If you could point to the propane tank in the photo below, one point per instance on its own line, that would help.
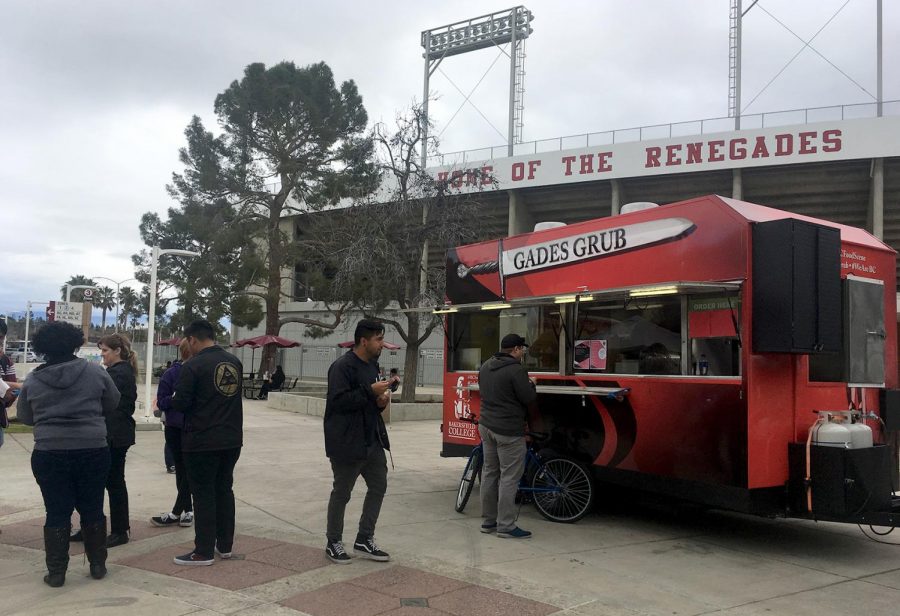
(832, 434)
(860, 435)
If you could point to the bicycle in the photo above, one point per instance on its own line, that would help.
(562, 489)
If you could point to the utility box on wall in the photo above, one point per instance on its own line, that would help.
(796, 287)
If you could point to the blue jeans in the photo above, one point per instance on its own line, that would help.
(71, 479)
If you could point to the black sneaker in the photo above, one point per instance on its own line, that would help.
(192, 559)
(166, 519)
(367, 549)
(336, 553)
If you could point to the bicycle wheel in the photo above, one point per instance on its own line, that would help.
(467, 481)
(563, 490)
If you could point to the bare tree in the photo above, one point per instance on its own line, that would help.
(376, 246)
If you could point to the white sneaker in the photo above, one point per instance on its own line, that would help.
(223, 555)
(187, 519)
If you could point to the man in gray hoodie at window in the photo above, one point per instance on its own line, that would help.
(506, 395)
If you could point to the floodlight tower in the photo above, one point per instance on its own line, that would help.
(511, 26)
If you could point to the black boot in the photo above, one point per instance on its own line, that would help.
(95, 547)
(56, 546)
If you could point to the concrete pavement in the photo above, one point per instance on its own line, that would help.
(624, 560)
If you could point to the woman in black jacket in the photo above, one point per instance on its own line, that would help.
(121, 364)
(274, 383)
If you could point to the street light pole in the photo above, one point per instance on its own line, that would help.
(156, 253)
(117, 295)
(28, 306)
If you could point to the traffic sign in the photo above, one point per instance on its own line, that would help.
(88, 295)
(51, 312)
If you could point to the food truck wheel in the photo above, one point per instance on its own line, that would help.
(467, 481)
(563, 490)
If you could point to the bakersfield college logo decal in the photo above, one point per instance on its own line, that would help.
(227, 379)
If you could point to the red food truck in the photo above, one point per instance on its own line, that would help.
(754, 350)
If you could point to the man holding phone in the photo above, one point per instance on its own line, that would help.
(355, 440)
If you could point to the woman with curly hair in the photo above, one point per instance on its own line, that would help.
(65, 399)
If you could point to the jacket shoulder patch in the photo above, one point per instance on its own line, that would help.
(226, 379)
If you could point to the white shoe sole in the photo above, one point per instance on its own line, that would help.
(164, 525)
(339, 561)
(364, 554)
(199, 563)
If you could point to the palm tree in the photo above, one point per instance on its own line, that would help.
(78, 294)
(129, 301)
(104, 299)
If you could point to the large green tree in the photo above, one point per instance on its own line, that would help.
(205, 286)
(292, 140)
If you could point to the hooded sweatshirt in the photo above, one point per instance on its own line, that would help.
(66, 403)
(506, 393)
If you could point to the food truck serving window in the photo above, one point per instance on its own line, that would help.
(660, 335)
(630, 337)
(475, 336)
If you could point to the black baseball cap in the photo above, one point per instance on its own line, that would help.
(511, 341)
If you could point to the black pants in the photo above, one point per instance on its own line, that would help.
(69, 480)
(374, 471)
(118, 491)
(211, 476)
(173, 444)
(168, 456)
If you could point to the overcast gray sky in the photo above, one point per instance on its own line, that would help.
(96, 94)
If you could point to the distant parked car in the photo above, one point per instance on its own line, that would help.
(18, 357)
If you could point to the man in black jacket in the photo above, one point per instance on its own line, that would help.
(355, 440)
(208, 393)
(506, 394)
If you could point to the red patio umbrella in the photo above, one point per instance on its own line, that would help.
(388, 345)
(168, 342)
(261, 341)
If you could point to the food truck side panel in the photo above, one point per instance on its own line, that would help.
(781, 395)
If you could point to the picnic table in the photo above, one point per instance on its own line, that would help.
(252, 388)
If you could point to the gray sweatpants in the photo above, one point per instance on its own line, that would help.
(374, 471)
(504, 463)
